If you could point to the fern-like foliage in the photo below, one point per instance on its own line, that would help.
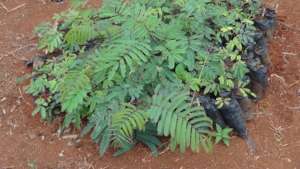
(51, 38)
(176, 116)
(80, 34)
(123, 57)
(109, 63)
(74, 88)
(117, 129)
(37, 86)
(127, 120)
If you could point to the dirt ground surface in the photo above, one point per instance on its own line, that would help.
(26, 142)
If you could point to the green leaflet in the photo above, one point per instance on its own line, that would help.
(80, 34)
(74, 89)
(50, 38)
(37, 86)
(178, 118)
(127, 120)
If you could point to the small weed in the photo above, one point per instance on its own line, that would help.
(222, 135)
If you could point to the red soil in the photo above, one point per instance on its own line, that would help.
(26, 142)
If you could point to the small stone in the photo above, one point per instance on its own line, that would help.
(61, 154)
(4, 111)
(257, 157)
(70, 143)
(3, 99)
(43, 138)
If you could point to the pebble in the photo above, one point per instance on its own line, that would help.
(288, 160)
(61, 154)
(43, 138)
(4, 111)
(3, 99)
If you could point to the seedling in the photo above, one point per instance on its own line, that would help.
(222, 135)
(134, 64)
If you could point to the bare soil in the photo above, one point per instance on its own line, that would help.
(26, 142)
